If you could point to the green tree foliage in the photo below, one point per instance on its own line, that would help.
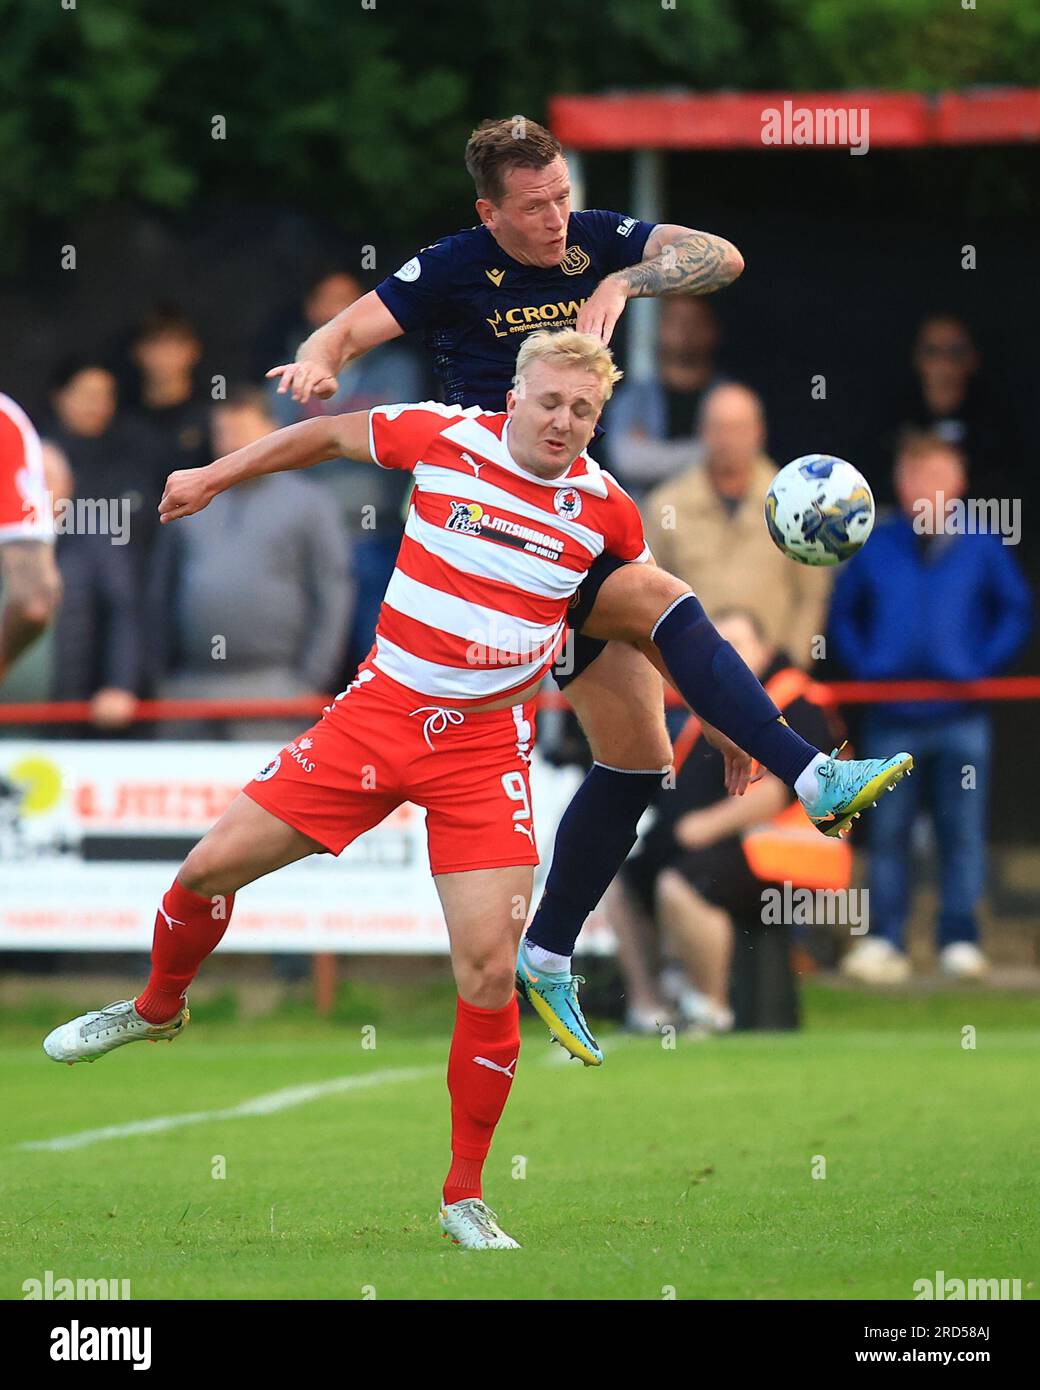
(360, 112)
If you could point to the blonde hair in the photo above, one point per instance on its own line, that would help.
(570, 348)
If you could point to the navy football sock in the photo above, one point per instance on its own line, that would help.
(593, 840)
(718, 686)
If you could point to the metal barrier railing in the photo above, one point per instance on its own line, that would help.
(306, 707)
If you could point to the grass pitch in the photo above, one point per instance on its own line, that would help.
(685, 1172)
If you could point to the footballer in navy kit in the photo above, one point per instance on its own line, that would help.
(474, 303)
(533, 264)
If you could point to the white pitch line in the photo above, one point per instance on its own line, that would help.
(268, 1104)
(259, 1105)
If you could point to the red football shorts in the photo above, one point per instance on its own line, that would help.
(380, 745)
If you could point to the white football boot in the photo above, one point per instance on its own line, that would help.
(876, 962)
(90, 1036)
(475, 1226)
(963, 960)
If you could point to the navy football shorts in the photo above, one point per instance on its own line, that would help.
(580, 652)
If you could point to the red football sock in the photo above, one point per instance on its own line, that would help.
(187, 928)
(478, 1090)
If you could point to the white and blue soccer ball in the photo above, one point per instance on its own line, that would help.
(820, 510)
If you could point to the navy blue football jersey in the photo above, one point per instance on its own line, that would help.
(474, 304)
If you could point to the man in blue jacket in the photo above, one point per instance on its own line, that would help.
(937, 595)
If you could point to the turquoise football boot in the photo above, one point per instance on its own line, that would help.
(849, 787)
(554, 997)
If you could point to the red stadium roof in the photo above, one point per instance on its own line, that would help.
(734, 120)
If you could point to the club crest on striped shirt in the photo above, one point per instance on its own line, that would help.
(567, 502)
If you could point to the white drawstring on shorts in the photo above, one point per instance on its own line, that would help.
(437, 720)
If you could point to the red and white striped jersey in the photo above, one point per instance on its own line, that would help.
(491, 554)
(24, 514)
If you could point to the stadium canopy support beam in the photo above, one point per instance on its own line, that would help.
(647, 204)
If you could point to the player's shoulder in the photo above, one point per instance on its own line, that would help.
(602, 222)
(615, 492)
(608, 501)
(437, 408)
(15, 411)
(461, 424)
(20, 439)
(447, 254)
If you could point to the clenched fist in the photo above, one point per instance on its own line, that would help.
(187, 491)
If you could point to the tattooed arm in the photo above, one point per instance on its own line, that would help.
(676, 260)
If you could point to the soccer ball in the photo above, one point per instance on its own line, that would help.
(819, 510)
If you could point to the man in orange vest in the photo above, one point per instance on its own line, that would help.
(703, 867)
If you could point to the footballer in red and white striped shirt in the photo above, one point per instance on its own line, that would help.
(507, 516)
(492, 553)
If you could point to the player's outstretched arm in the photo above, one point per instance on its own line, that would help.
(297, 446)
(362, 326)
(676, 260)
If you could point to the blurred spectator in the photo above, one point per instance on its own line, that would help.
(706, 526)
(702, 869)
(331, 290)
(949, 399)
(651, 425)
(920, 604)
(166, 352)
(370, 501)
(102, 549)
(249, 598)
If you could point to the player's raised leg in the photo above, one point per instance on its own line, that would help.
(246, 843)
(619, 700)
(647, 605)
(485, 910)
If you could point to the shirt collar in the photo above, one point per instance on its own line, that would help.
(584, 473)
